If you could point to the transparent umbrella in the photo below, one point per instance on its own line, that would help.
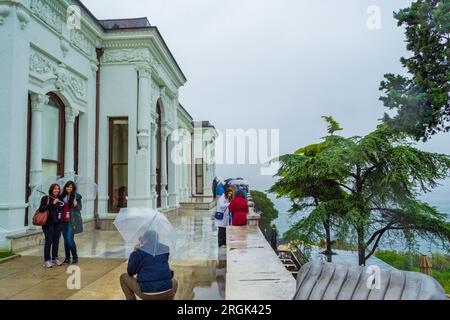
(148, 228)
(40, 190)
(239, 182)
(86, 187)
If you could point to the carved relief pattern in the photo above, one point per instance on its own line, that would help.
(127, 56)
(43, 65)
(82, 42)
(47, 14)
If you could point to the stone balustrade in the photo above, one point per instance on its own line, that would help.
(253, 268)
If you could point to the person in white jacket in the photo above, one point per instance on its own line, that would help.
(223, 213)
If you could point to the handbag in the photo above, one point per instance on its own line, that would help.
(40, 218)
(218, 215)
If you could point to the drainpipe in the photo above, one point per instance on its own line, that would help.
(100, 52)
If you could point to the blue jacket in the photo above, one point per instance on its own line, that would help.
(153, 272)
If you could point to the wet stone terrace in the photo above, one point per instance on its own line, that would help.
(198, 264)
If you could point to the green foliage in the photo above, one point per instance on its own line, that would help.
(422, 99)
(333, 125)
(410, 262)
(366, 186)
(264, 205)
(443, 278)
(400, 260)
(314, 195)
(5, 254)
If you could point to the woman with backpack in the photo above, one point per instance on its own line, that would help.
(71, 216)
(52, 227)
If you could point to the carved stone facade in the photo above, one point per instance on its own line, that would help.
(127, 55)
(55, 80)
(65, 79)
(46, 12)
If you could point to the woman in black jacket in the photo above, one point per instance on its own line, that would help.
(52, 228)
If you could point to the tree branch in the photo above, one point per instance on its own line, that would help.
(346, 187)
(375, 246)
(383, 230)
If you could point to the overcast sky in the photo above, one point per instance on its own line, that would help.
(278, 64)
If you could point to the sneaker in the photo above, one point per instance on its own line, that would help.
(75, 261)
(66, 261)
(48, 264)
(56, 262)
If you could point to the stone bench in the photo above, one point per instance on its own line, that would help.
(328, 281)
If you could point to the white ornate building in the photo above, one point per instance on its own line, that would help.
(96, 98)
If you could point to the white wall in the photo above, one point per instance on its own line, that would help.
(118, 97)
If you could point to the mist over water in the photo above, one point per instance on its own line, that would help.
(439, 199)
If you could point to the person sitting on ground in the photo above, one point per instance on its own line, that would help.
(154, 278)
(239, 208)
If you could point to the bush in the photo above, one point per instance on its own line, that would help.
(267, 209)
(410, 262)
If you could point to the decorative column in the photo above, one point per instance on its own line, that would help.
(164, 135)
(153, 162)
(38, 101)
(173, 174)
(206, 182)
(144, 108)
(69, 151)
(184, 174)
(139, 194)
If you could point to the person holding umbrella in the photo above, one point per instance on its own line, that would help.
(148, 273)
(154, 279)
(239, 208)
(52, 227)
(71, 210)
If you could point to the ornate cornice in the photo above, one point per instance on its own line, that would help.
(49, 14)
(127, 56)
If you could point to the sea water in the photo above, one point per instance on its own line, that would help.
(442, 204)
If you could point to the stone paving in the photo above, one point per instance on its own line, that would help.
(197, 263)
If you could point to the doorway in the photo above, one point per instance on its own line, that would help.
(118, 164)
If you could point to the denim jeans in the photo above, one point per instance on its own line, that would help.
(69, 242)
(52, 234)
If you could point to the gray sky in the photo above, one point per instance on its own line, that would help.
(278, 64)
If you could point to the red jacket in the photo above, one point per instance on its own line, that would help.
(239, 208)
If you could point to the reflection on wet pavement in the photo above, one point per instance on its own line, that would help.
(198, 265)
